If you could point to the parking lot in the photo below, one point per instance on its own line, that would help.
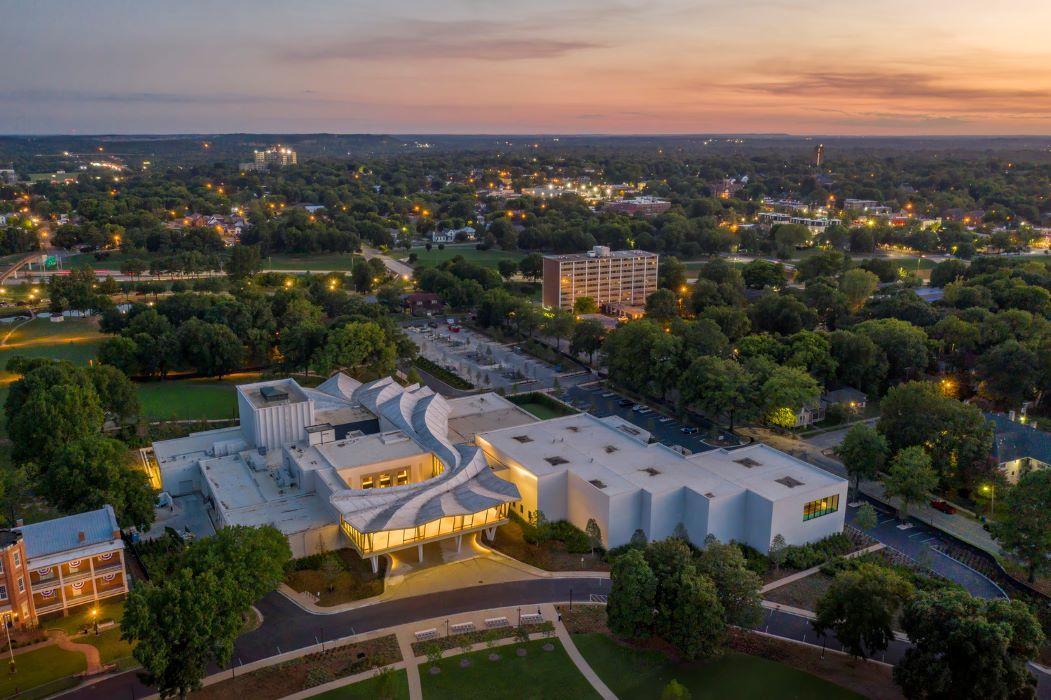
(598, 400)
(485, 362)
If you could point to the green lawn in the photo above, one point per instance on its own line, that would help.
(541, 411)
(111, 647)
(80, 618)
(74, 339)
(370, 689)
(35, 668)
(540, 674)
(632, 674)
(322, 261)
(184, 399)
(432, 257)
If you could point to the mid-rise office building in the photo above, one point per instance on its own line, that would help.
(276, 157)
(621, 276)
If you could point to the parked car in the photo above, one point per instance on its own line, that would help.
(451, 321)
(943, 506)
(637, 407)
(624, 402)
(454, 329)
(688, 430)
(433, 324)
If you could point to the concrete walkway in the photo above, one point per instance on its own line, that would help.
(91, 653)
(412, 668)
(574, 654)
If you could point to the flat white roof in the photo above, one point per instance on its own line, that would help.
(605, 452)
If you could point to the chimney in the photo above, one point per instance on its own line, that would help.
(80, 536)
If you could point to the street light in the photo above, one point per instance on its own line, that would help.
(992, 497)
(95, 620)
(7, 630)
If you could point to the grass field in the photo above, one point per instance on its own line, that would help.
(111, 647)
(537, 675)
(80, 618)
(111, 261)
(185, 399)
(35, 668)
(636, 674)
(369, 689)
(432, 257)
(322, 261)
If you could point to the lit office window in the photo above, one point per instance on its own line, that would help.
(822, 506)
(366, 482)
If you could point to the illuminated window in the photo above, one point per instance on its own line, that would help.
(366, 482)
(18, 559)
(21, 585)
(822, 506)
(384, 480)
(403, 477)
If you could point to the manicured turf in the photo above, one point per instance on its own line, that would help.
(323, 261)
(80, 618)
(432, 257)
(111, 647)
(370, 689)
(35, 668)
(108, 262)
(632, 674)
(74, 339)
(185, 399)
(539, 674)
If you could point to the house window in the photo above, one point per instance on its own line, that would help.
(3, 592)
(822, 506)
(21, 585)
(1, 566)
(18, 559)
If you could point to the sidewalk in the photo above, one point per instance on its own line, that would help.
(574, 654)
(813, 570)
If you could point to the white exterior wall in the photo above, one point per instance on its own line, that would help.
(695, 515)
(553, 496)
(274, 426)
(787, 518)
(662, 512)
(625, 516)
(758, 527)
(727, 516)
(587, 501)
(322, 539)
(181, 478)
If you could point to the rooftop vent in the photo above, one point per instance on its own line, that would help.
(522, 438)
(628, 429)
(273, 393)
(651, 471)
(748, 462)
(610, 449)
(573, 428)
(789, 482)
(555, 461)
(709, 495)
(597, 483)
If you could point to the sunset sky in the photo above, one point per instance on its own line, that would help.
(545, 66)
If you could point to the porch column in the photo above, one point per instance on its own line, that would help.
(375, 564)
(94, 584)
(419, 553)
(459, 539)
(62, 589)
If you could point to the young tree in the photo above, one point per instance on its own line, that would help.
(244, 261)
(662, 305)
(966, 647)
(180, 626)
(860, 606)
(531, 266)
(331, 568)
(910, 477)
(863, 453)
(594, 534)
(777, 552)
(866, 518)
(507, 268)
(1024, 529)
(633, 587)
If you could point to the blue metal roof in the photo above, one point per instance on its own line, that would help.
(61, 534)
(1015, 440)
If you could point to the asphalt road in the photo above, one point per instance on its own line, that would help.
(918, 542)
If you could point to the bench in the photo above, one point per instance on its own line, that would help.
(532, 618)
(462, 627)
(495, 622)
(424, 635)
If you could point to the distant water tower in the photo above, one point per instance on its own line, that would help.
(819, 154)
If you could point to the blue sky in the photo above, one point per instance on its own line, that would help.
(576, 66)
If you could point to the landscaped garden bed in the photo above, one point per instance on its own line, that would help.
(542, 405)
(561, 549)
(460, 641)
(335, 577)
(305, 672)
(438, 372)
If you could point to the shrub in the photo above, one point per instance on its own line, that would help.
(816, 553)
(575, 539)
